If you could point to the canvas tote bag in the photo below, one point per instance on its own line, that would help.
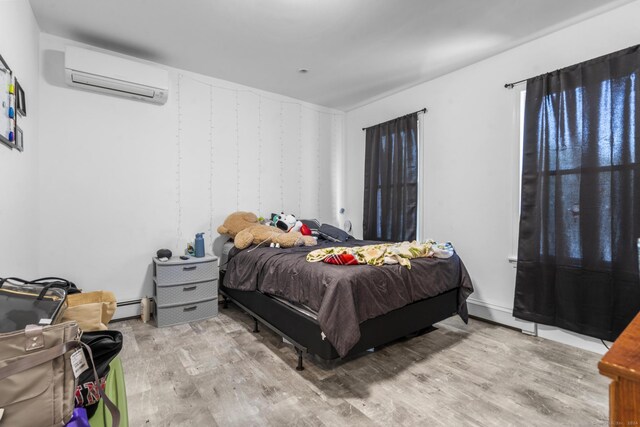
(36, 379)
(92, 310)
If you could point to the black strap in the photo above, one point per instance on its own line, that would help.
(60, 280)
(13, 279)
(46, 287)
(45, 282)
(57, 282)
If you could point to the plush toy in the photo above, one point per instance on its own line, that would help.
(289, 223)
(285, 222)
(246, 230)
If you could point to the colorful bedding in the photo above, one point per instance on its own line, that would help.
(383, 253)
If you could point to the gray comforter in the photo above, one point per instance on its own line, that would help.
(345, 296)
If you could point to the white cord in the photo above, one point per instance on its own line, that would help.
(300, 163)
(211, 167)
(268, 238)
(179, 165)
(259, 154)
(281, 156)
(237, 152)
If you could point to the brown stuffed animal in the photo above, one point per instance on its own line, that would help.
(246, 230)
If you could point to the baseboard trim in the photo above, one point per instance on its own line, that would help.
(572, 338)
(127, 309)
(502, 315)
(499, 314)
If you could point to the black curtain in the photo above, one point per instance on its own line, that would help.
(580, 211)
(391, 180)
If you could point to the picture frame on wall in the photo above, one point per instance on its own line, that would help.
(19, 140)
(21, 102)
(7, 122)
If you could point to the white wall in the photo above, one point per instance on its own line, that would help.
(469, 134)
(120, 179)
(19, 171)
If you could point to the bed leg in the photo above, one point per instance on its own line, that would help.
(255, 326)
(299, 367)
(225, 302)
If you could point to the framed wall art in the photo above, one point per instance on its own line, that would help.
(7, 105)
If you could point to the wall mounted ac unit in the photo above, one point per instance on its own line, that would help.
(99, 72)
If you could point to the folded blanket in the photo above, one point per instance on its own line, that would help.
(384, 253)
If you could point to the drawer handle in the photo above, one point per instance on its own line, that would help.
(193, 267)
(189, 288)
(190, 308)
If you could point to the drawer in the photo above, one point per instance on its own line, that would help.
(177, 314)
(185, 273)
(190, 292)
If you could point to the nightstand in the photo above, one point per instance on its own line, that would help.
(185, 290)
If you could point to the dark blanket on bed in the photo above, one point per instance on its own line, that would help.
(345, 296)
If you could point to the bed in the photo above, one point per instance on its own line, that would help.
(335, 311)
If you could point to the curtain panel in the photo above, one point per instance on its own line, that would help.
(580, 209)
(391, 180)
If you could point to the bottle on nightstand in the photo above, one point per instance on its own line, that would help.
(199, 245)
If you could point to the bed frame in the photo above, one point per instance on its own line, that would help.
(304, 333)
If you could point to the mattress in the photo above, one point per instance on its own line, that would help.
(302, 309)
(226, 249)
(223, 254)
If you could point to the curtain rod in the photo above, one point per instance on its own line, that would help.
(511, 85)
(424, 110)
(623, 51)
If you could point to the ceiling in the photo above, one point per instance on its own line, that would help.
(355, 50)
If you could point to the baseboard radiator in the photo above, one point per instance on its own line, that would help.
(128, 309)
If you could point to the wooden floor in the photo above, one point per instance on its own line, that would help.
(217, 372)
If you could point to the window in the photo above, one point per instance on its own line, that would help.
(391, 180)
(516, 189)
(565, 168)
(579, 219)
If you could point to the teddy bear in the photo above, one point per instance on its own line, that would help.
(245, 229)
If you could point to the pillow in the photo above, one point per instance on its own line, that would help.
(332, 233)
(341, 259)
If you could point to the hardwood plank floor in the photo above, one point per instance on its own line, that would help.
(218, 373)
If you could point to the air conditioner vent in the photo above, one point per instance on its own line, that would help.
(98, 72)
